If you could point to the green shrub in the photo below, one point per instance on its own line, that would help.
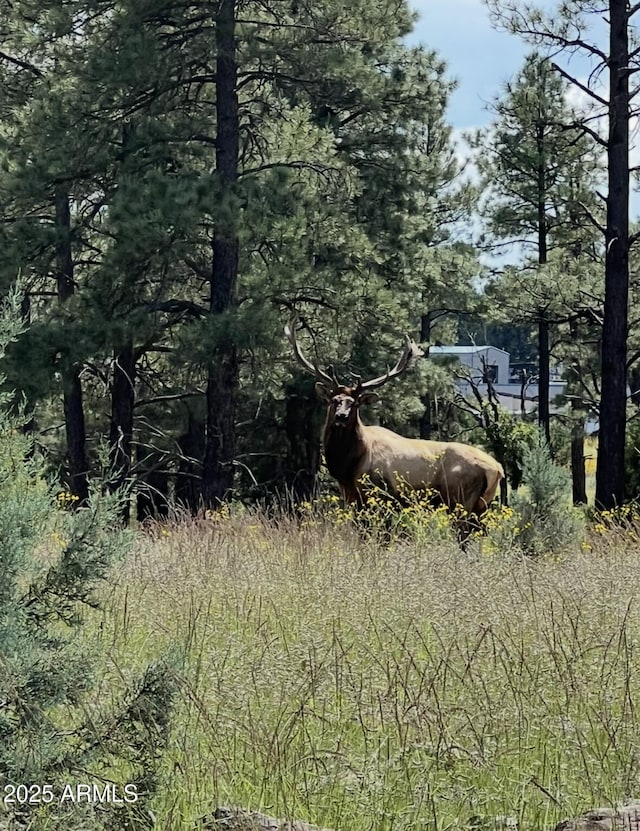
(55, 729)
(632, 459)
(508, 438)
(548, 521)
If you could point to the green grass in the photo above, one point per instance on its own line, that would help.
(358, 686)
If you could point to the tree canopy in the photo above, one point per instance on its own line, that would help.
(177, 179)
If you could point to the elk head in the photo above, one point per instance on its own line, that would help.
(345, 400)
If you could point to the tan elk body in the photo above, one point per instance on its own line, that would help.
(460, 474)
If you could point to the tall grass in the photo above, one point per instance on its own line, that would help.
(405, 686)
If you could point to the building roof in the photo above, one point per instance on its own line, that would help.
(463, 350)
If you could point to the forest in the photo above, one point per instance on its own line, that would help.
(192, 622)
(178, 179)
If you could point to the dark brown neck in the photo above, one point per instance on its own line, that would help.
(343, 449)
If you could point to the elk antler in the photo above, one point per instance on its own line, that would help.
(410, 353)
(314, 369)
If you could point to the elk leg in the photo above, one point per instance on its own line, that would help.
(351, 494)
(475, 505)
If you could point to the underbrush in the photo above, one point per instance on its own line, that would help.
(402, 683)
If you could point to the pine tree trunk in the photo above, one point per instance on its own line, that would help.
(77, 466)
(610, 473)
(302, 426)
(426, 423)
(189, 476)
(121, 428)
(222, 381)
(153, 497)
(29, 425)
(544, 414)
(578, 475)
(634, 383)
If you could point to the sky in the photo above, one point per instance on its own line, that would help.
(479, 58)
(482, 59)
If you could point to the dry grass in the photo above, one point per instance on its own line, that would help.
(410, 686)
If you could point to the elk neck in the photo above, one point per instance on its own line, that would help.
(344, 447)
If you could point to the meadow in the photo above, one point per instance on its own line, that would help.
(363, 684)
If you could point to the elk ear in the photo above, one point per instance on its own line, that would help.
(323, 391)
(367, 397)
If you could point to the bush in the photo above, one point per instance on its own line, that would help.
(548, 521)
(53, 731)
(508, 438)
(632, 459)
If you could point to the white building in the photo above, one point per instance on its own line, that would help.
(489, 362)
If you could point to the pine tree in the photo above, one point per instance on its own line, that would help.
(540, 176)
(567, 32)
(186, 253)
(53, 561)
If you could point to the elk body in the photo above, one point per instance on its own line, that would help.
(460, 474)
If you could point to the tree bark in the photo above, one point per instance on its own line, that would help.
(222, 380)
(74, 422)
(610, 472)
(426, 422)
(578, 476)
(189, 476)
(302, 426)
(544, 416)
(544, 413)
(153, 496)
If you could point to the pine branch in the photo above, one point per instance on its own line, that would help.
(580, 85)
(181, 307)
(592, 218)
(22, 64)
(519, 24)
(299, 164)
(201, 270)
(158, 399)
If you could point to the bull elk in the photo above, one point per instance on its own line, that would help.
(460, 474)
